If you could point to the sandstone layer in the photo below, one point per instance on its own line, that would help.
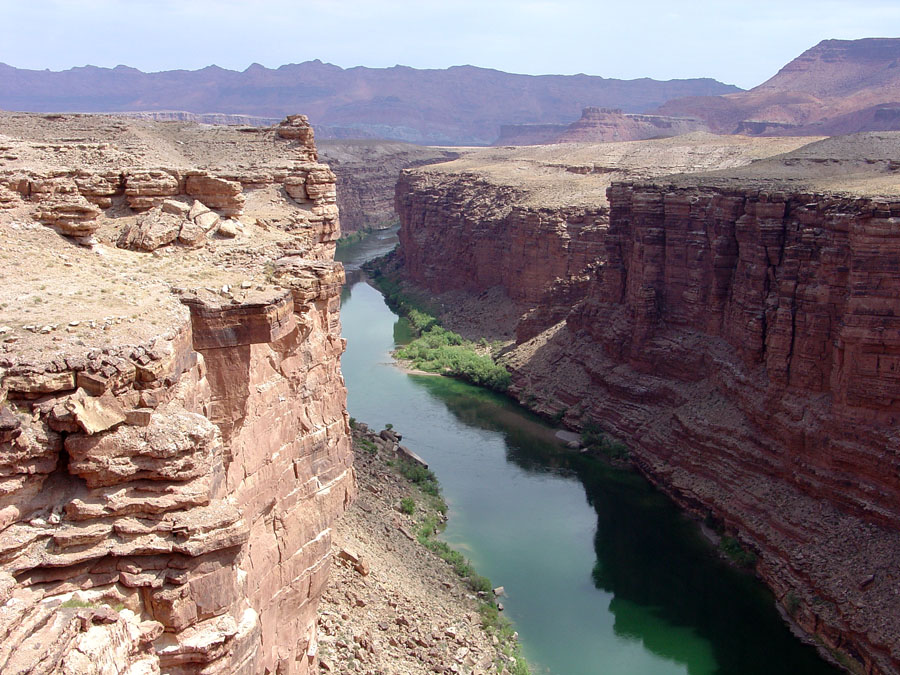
(737, 328)
(519, 218)
(174, 438)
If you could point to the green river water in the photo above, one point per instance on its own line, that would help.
(603, 574)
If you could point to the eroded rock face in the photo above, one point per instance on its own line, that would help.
(741, 336)
(743, 343)
(75, 201)
(166, 495)
(470, 235)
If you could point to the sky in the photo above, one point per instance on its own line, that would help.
(741, 43)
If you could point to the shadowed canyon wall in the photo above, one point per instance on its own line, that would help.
(740, 333)
(169, 481)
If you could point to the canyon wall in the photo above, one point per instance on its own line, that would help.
(739, 330)
(521, 218)
(172, 413)
(487, 241)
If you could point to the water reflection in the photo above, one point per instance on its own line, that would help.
(603, 574)
(668, 590)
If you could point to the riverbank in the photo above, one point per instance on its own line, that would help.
(394, 606)
(433, 348)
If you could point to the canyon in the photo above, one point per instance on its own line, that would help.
(173, 417)
(726, 306)
(366, 172)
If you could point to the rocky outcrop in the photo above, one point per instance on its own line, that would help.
(74, 201)
(168, 481)
(738, 330)
(606, 124)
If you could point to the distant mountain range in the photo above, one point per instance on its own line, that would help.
(458, 105)
(837, 87)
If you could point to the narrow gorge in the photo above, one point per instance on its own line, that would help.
(736, 328)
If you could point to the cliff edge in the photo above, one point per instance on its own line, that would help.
(174, 439)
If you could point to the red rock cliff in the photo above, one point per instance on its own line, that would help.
(170, 476)
(741, 333)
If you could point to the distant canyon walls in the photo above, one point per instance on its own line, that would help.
(742, 340)
(461, 105)
(601, 125)
(367, 172)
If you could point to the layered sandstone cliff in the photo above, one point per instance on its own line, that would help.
(172, 413)
(739, 330)
(520, 218)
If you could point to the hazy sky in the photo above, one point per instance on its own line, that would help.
(742, 43)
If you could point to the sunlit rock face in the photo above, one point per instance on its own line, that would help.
(169, 479)
(738, 329)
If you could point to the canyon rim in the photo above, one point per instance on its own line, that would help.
(708, 277)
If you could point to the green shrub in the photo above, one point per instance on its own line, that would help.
(594, 439)
(422, 477)
(368, 446)
(732, 548)
(408, 505)
(791, 603)
(438, 350)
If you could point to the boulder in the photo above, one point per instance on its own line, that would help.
(176, 208)
(196, 209)
(207, 221)
(228, 229)
(152, 230)
(95, 413)
(191, 235)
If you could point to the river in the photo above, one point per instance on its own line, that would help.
(603, 574)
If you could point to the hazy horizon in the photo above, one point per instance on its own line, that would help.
(735, 44)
